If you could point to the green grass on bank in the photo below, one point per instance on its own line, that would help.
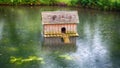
(97, 4)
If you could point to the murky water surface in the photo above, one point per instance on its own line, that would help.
(22, 46)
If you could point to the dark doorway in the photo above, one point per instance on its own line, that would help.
(63, 30)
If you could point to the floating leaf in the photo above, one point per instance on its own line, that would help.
(67, 57)
(29, 59)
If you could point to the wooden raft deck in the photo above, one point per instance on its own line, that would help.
(64, 36)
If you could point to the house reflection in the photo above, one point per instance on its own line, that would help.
(57, 44)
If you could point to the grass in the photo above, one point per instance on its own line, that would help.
(97, 4)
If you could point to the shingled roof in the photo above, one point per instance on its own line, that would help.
(57, 17)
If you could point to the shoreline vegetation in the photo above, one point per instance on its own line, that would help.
(93, 4)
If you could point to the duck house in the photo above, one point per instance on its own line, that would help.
(61, 24)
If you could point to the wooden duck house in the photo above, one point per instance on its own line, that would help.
(61, 24)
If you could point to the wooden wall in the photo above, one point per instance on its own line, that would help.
(56, 28)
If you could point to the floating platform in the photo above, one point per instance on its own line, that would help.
(61, 35)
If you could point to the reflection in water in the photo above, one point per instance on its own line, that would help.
(56, 52)
(56, 43)
(1, 28)
(90, 52)
(100, 52)
(96, 47)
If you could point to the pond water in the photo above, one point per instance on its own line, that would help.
(22, 46)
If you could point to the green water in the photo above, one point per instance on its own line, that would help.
(21, 42)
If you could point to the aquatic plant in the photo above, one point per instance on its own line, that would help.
(66, 57)
(20, 60)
